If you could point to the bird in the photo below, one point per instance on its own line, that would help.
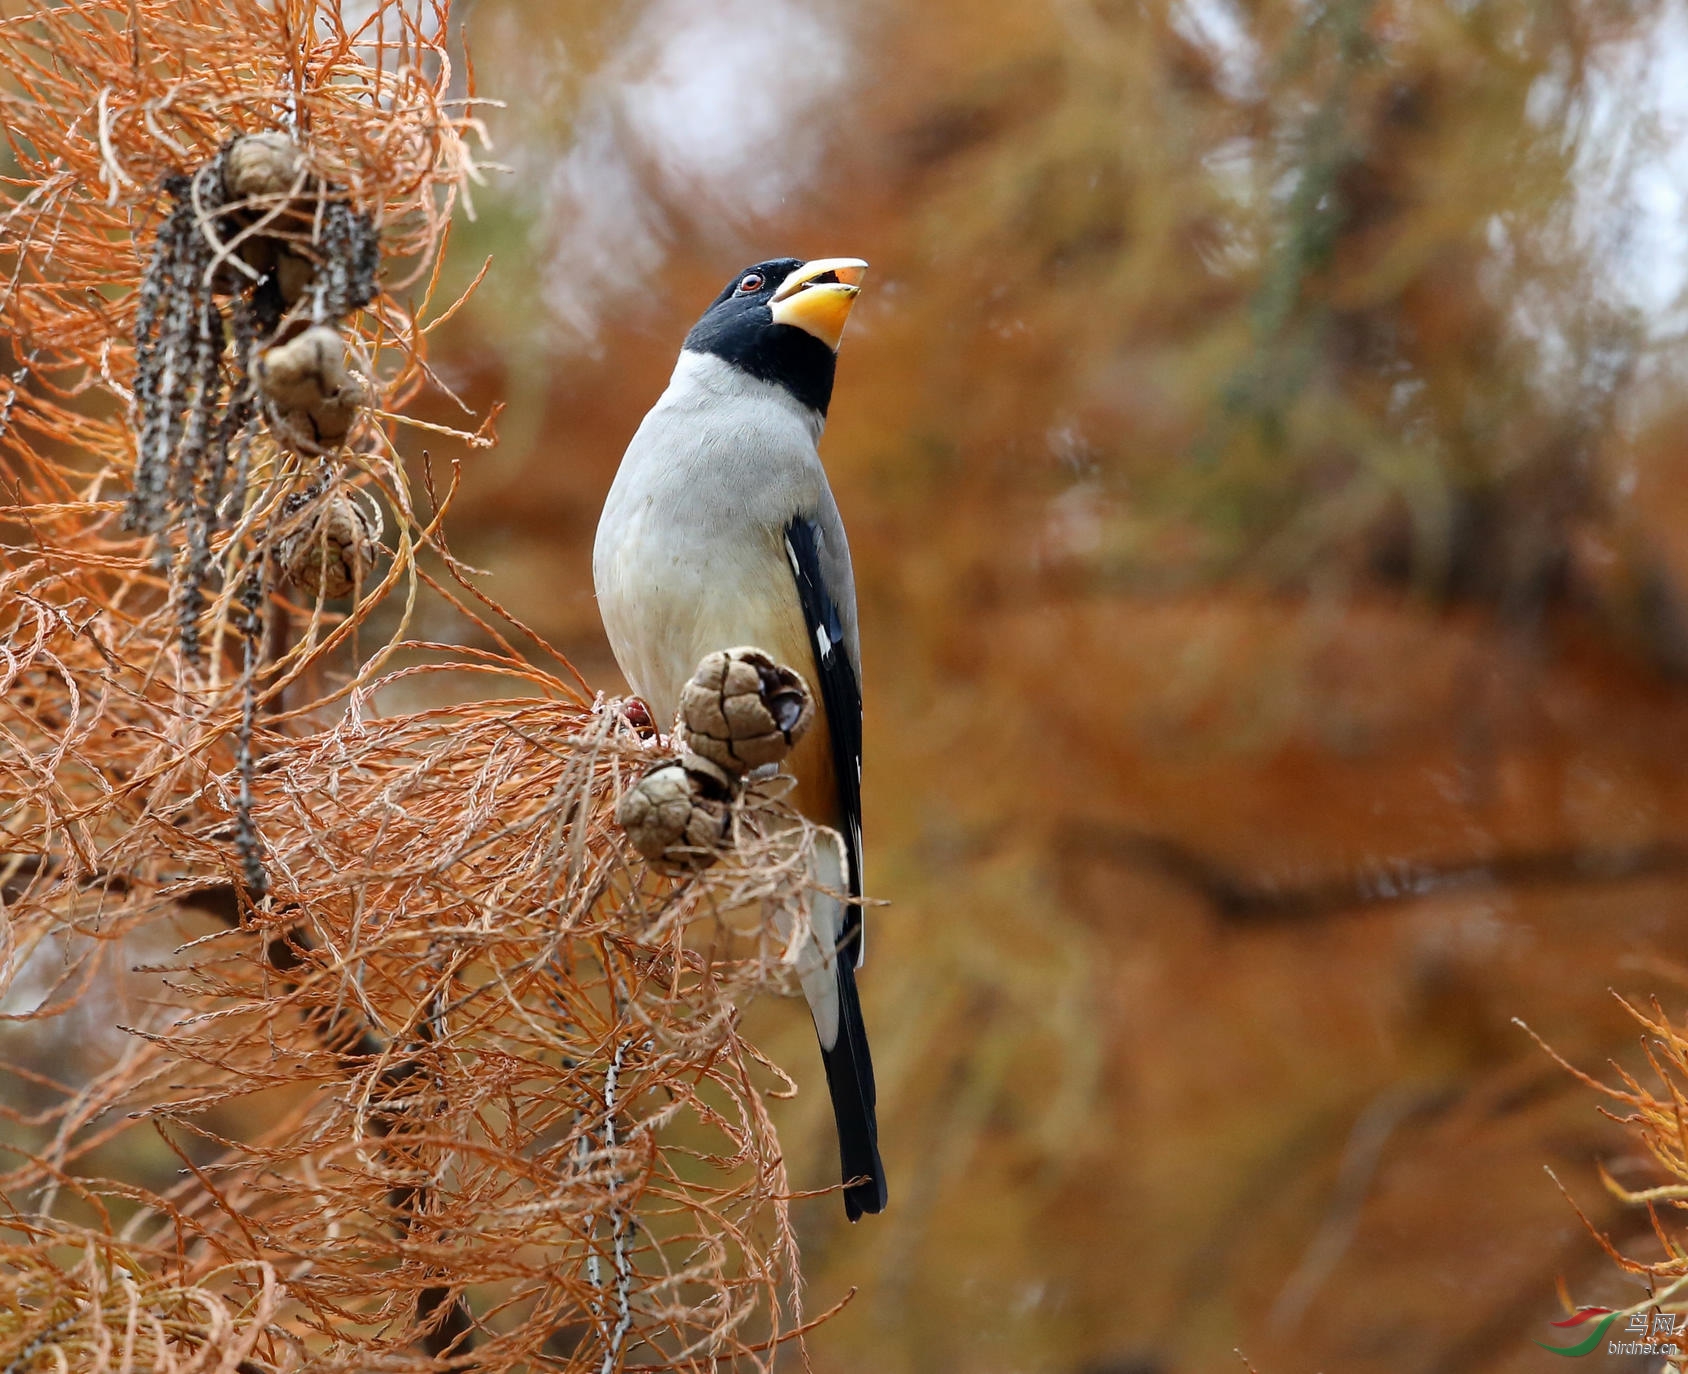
(720, 529)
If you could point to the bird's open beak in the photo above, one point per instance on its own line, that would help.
(817, 297)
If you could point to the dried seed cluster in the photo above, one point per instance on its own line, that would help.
(255, 229)
(188, 417)
(739, 711)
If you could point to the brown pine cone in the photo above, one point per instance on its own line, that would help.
(314, 396)
(263, 166)
(741, 710)
(677, 812)
(331, 550)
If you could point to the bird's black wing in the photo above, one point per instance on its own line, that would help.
(849, 1065)
(841, 698)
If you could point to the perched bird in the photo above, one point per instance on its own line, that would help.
(720, 530)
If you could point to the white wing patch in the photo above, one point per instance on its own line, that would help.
(861, 925)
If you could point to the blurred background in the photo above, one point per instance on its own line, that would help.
(1261, 441)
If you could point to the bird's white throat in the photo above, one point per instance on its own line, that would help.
(702, 379)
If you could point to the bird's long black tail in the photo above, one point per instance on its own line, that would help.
(849, 1078)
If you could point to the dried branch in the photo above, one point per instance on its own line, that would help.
(414, 1052)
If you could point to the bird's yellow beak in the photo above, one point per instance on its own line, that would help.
(817, 297)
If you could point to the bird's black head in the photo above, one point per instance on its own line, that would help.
(781, 321)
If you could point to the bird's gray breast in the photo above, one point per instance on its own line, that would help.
(689, 556)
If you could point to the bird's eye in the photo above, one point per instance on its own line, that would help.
(750, 281)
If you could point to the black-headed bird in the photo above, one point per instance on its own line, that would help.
(720, 530)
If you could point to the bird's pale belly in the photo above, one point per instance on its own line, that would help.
(666, 608)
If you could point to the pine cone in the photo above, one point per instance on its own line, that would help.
(741, 710)
(315, 397)
(677, 812)
(262, 166)
(332, 549)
